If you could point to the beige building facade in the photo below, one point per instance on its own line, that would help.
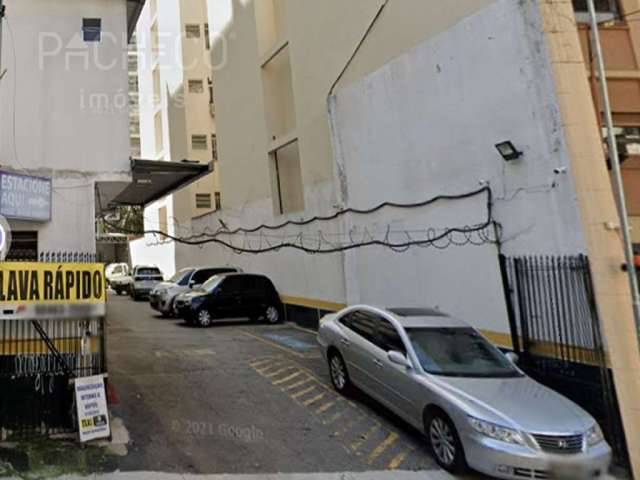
(177, 117)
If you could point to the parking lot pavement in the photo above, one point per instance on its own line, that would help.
(242, 398)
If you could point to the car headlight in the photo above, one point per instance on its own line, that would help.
(594, 435)
(497, 432)
(196, 300)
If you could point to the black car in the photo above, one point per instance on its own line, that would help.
(234, 295)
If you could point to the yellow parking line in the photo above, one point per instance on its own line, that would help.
(380, 449)
(397, 461)
(278, 372)
(289, 378)
(264, 370)
(274, 345)
(333, 419)
(325, 407)
(313, 400)
(358, 443)
(350, 424)
(298, 384)
(261, 362)
(303, 392)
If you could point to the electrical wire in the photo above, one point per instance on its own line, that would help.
(296, 241)
(342, 212)
(358, 47)
(15, 92)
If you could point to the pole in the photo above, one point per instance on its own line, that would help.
(615, 166)
(2, 7)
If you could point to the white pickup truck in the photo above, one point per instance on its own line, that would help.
(118, 277)
(143, 279)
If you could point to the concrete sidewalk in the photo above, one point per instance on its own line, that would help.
(391, 475)
(387, 475)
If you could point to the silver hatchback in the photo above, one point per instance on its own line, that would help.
(476, 407)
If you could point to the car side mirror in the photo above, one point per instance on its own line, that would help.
(512, 357)
(399, 359)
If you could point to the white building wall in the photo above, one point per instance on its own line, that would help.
(64, 109)
(419, 127)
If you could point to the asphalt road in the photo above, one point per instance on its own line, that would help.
(242, 398)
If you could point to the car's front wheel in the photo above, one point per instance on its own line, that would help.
(203, 318)
(445, 442)
(272, 315)
(339, 374)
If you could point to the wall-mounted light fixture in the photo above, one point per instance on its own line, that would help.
(508, 151)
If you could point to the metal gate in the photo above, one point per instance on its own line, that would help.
(37, 396)
(38, 360)
(556, 332)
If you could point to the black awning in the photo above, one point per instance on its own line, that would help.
(154, 179)
(134, 8)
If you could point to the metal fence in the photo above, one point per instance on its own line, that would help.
(40, 358)
(37, 361)
(556, 330)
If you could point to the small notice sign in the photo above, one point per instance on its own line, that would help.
(93, 416)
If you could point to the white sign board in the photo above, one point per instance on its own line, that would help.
(24, 197)
(93, 416)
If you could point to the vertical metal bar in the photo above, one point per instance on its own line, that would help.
(557, 314)
(526, 299)
(508, 296)
(524, 327)
(535, 298)
(277, 165)
(615, 167)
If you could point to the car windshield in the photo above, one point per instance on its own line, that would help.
(179, 277)
(459, 352)
(212, 283)
(148, 271)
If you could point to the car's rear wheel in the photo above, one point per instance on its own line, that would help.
(339, 374)
(204, 318)
(272, 315)
(445, 442)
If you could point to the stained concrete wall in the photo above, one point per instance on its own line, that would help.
(426, 124)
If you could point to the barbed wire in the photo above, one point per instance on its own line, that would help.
(259, 239)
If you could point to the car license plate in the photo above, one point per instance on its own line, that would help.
(567, 471)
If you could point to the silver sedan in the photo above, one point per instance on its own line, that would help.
(476, 407)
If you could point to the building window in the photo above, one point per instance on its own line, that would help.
(199, 142)
(627, 138)
(214, 146)
(196, 86)
(163, 220)
(203, 200)
(207, 40)
(210, 84)
(24, 247)
(192, 31)
(155, 40)
(218, 200)
(91, 29)
(159, 133)
(286, 180)
(606, 10)
(157, 87)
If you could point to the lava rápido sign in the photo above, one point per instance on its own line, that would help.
(52, 283)
(93, 416)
